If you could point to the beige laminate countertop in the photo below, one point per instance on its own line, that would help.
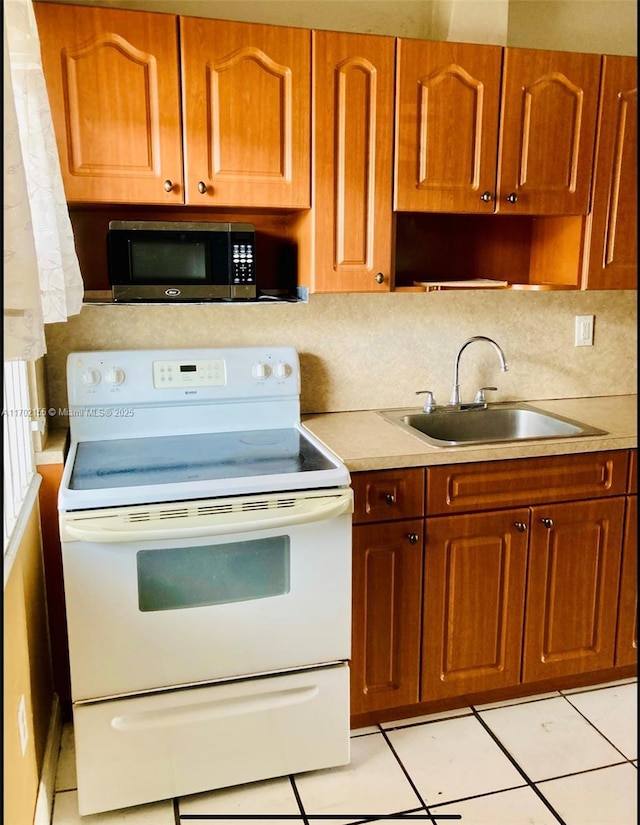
(363, 440)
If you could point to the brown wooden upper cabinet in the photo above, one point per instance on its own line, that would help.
(482, 129)
(353, 89)
(114, 89)
(125, 106)
(247, 113)
(612, 226)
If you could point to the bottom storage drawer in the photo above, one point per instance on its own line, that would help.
(156, 746)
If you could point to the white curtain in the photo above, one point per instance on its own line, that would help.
(42, 280)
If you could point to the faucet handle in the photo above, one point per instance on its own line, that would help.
(480, 399)
(429, 402)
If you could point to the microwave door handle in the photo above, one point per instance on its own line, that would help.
(114, 529)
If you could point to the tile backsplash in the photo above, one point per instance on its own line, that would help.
(369, 351)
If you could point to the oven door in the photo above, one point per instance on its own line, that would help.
(195, 592)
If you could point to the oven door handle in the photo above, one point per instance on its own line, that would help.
(117, 528)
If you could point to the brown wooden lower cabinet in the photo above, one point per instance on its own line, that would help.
(51, 475)
(627, 636)
(512, 591)
(387, 594)
(572, 588)
(474, 591)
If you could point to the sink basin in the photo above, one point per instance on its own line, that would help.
(496, 423)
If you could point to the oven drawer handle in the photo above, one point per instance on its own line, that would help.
(222, 708)
(116, 529)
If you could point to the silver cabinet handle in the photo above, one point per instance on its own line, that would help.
(202, 187)
(389, 498)
(414, 538)
(487, 197)
(379, 278)
(167, 185)
(520, 526)
(512, 198)
(548, 523)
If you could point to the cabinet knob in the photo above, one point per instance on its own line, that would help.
(167, 185)
(414, 538)
(548, 523)
(202, 187)
(390, 498)
(520, 526)
(512, 198)
(487, 197)
(379, 278)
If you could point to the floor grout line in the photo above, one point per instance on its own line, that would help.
(520, 769)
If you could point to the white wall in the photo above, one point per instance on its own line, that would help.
(605, 26)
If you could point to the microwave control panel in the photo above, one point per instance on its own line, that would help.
(242, 268)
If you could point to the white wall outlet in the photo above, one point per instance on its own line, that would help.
(584, 331)
(23, 729)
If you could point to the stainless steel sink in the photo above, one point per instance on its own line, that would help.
(495, 423)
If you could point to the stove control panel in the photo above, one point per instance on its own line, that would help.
(192, 373)
(182, 376)
(132, 393)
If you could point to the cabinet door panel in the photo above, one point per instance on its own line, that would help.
(492, 484)
(547, 131)
(613, 224)
(627, 635)
(574, 572)
(447, 105)
(387, 581)
(113, 84)
(353, 139)
(474, 585)
(246, 102)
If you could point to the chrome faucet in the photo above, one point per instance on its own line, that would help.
(455, 392)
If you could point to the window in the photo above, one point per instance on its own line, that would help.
(18, 451)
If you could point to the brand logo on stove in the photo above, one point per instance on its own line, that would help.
(191, 392)
(172, 292)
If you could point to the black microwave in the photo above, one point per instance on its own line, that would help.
(181, 261)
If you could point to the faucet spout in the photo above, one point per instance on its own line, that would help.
(455, 392)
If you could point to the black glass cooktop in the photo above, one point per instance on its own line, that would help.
(134, 462)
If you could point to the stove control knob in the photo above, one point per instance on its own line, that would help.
(91, 378)
(114, 376)
(281, 370)
(260, 370)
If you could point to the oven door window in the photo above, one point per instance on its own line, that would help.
(175, 578)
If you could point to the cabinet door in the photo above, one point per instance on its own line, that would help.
(385, 650)
(627, 635)
(612, 227)
(113, 83)
(547, 132)
(247, 122)
(353, 139)
(474, 586)
(572, 588)
(447, 107)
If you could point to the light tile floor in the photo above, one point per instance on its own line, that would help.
(564, 757)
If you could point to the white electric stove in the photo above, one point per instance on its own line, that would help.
(206, 543)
